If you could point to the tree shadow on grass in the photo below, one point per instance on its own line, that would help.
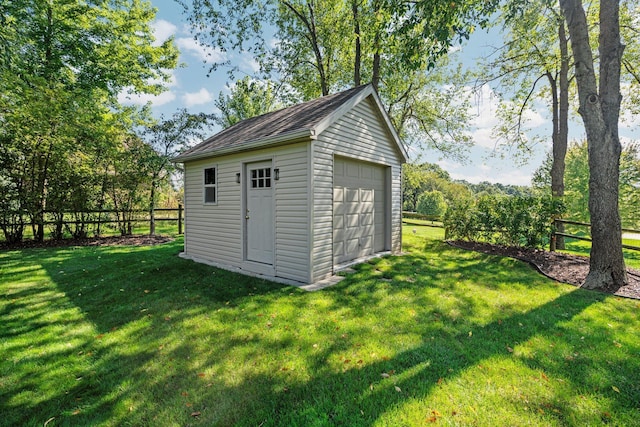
(143, 350)
(81, 305)
(361, 396)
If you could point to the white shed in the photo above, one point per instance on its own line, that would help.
(296, 193)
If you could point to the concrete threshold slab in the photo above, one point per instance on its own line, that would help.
(322, 284)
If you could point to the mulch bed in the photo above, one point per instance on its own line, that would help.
(565, 268)
(136, 240)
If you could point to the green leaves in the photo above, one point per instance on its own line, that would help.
(248, 98)
(577, 183)
(62, 65)
(508, 220)
(320, 47)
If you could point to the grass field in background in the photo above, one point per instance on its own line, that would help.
(579, 247)
(138, 336)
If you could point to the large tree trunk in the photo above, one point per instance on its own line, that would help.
(600, 110)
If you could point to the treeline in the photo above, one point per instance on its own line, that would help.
(517, 215)
(504, 214)
(428, 189)
(90, 176)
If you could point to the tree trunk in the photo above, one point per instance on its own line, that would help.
(152, 207)
(600, 110)
(561, 137)
(557, 161)
(310, 23)
(377, 40)
(358, 45)
(375, 76)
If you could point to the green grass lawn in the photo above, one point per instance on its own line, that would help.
(138, 336)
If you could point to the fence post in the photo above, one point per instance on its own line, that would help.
(179, 218)
(552, 241)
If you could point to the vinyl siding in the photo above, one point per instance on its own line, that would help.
(358, 135)
(292, 215)
(215, 233)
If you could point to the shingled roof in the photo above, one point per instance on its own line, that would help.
(299, 121)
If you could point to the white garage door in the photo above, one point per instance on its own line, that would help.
(358, 209)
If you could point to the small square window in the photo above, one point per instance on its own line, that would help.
(210, 186)
(261, 178)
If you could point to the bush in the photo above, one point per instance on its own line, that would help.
(507, 220)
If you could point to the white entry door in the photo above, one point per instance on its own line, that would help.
(259, 212)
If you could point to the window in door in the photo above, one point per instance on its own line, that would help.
(261, 178)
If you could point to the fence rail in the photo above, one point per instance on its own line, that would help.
(113, 217)
(583, 238)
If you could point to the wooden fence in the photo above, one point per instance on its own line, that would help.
(101, 217)
(587, 239)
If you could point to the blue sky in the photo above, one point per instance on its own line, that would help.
(191, 88)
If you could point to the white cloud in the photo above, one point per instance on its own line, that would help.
(127, 97)
(162, 30)
(483, 137)
(448, 165)
(273, 43)
(197, 98)
(205, 53)
(173, 80)
(484, 107)
(629, 122)
(485, 117)
(249, 64)
(534, 119)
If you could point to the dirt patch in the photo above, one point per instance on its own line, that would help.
(136, 240)
(565, 268)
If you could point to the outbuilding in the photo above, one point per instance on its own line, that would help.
(297, 193)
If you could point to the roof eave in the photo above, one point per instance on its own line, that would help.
(255, 144)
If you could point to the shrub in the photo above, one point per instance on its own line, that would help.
(507, 220)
